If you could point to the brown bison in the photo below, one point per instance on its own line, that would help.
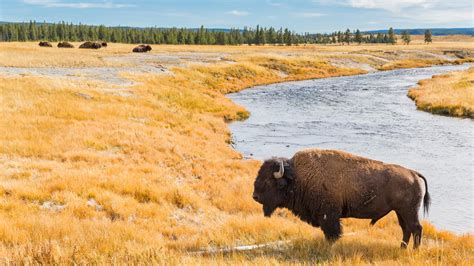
(142, 48)
(45, 44)
(65, 45)
(104, 44)
(90, 45)
(323, 186)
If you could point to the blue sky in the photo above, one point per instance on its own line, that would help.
(299, 15)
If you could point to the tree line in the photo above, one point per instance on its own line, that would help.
(63, 31)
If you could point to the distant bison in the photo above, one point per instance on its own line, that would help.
(45, 44)
(104, 44)
(142, 48)
(90, 45)
(322, 186)
(65, 45)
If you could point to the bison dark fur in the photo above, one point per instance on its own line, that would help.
(104, 44)
(90, 45)
(65, 45)
(45, 44)
(323, 186)
(142, 48)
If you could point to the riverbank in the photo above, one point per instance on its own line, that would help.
(449, 94)
(100, 172)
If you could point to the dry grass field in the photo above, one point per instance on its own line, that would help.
(91, 174)
(448, 94)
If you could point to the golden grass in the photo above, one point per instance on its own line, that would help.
(413, 63)
(148, 178)
(449, 94)
(20, 54)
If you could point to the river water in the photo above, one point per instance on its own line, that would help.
(369, 115)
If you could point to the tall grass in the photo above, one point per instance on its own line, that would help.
(151, 178)
(449, 94)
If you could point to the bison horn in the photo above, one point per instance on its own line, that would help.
(280, 172)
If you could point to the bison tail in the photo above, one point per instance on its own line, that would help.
(426, 198)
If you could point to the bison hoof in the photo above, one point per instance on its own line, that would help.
(403, 245)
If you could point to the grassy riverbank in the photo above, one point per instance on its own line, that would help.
(448, 94)
(92, 175)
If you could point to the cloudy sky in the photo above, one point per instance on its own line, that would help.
(299, 15)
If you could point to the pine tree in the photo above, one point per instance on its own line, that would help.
(281, 37)
(347, 36)
(371, 38)
(263, 39)
(428, 38)
(271, 36)
(406, 37)
(202, 36)
(256, 39)
(32, 31)
(22, 35)
(102, 33)
(358, 37)
(339, 37)
(391, 36)
(287, 37)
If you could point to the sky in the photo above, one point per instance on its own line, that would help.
(298, 15)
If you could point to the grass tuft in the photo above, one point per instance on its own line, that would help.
(449, 94)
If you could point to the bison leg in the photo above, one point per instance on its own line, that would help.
(417, 230)
(406, 231)
(331, 226)
(414, 227)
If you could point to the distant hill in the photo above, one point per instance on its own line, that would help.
(434, 31)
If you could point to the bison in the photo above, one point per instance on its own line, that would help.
(104, 44)
(142, 48)
(45, 44)
(323, 186)
(65, 45)
(90, 45)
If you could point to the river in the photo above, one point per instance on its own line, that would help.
(369, 115)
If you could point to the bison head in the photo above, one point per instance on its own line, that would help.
(271, 184)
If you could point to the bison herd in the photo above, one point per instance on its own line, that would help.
(323, 186)
(142, 48)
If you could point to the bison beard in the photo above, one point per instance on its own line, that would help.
(323, 186)
(268, 210)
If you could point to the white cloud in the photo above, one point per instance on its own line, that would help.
(431, 11)
(309, 14)
(388, 5)
(238, 13)
(440, 16)
(82, 5)
(275, 4)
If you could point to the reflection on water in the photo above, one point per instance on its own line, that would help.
(369, 115)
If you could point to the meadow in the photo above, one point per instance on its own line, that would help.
(93, 176)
